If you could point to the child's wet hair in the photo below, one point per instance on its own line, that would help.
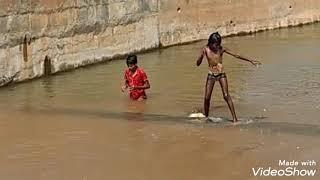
(132, 59)
(214, 38)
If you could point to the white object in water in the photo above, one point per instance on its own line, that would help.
(215, 119)
(197, 115)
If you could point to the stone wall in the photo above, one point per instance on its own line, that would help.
(39, 37)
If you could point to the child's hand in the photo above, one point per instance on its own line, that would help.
(255, 63)
(123, 88)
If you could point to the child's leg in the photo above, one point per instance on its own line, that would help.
(224, 86)
(207, 95)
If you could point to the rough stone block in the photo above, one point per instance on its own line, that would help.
(18, 23)
(50, 4)
(102, 13)
(38, 22)
(3, 24)
(4, 7)
(151, 5)
(117, 12)
(58, 20)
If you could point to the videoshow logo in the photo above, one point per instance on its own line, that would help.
(289, 168)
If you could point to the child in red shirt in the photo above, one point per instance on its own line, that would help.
(135, 79)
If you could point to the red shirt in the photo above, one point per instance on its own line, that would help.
(138, 78)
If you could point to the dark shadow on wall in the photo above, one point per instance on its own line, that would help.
(47, 66)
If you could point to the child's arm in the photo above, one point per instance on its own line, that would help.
(145, 86)
(126, 84)
(199, 60)
(253, 62)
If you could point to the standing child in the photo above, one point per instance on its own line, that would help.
(213, 51)
(135, 79)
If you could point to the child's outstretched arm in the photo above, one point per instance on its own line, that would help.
(253, 62)
(199, 60)
(125, 86)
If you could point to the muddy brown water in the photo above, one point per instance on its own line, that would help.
(78, 125)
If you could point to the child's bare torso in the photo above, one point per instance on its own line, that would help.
(214, 60)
